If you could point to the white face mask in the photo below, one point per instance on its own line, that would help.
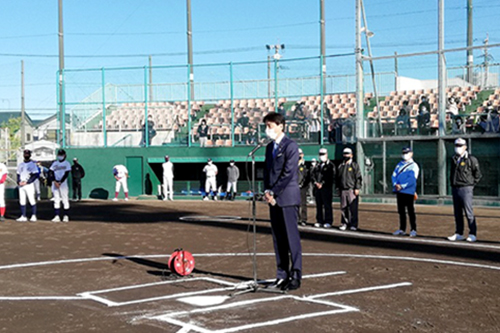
(271, 134)
(210, 163)
(460, 150)
(313, 164)
(231, 164)
(406, 157)
(323, 158)
(60, 158)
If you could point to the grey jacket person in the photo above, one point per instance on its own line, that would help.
(233, 173)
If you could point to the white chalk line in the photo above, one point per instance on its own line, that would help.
(358, 234)
(110, 303)
(347, 255)
(41, 298)
(362, 290)
(170, 318)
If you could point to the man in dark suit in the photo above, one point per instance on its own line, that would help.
(283, 195)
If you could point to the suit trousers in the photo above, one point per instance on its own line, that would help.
(349, 204)
(462, 202)
(303, 204)
(324, 210)
(286, 240)
(77, 188)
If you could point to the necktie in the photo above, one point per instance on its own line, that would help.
(275, 149)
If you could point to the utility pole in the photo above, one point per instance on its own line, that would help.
(360, 118)
(23, 117)
(323, 46)
(190, 49)
(441, 103)
(486, 60)
(62, 122)
(150, 79)
(470, 52)
(396, 71)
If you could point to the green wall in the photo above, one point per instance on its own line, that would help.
(98, 162)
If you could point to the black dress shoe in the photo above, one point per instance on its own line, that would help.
(293, 284)
(278, 284)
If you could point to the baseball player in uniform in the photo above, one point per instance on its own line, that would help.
(168, 179)
(27, 173)
(121, 174)
(210, 171)
(36, 183)
(233, 173)
(3, 177)
(60, 170)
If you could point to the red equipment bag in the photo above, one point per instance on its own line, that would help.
(181, 262)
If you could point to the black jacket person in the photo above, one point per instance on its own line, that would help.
(77, 173)
(349, 182)
(323, 179)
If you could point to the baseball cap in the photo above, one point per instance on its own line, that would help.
(347, 151)
(27, 151)
(406, 150)
(209, 160)
(323, 151)
(75, 159)
(61, 152)
(231, 161)
(460, 142)
(313, 160)
(300, 151)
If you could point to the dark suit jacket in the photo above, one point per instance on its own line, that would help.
(281, 172)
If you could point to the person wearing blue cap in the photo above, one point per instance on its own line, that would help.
(404, 183)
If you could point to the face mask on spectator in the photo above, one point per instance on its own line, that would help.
(406, 157)
(231, 164)
(60, 157)
(323, 158)
(210, 163)
(459, 150)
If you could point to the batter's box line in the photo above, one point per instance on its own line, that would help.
(92, 295)
(170, 318)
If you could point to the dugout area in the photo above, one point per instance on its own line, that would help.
(378, 159)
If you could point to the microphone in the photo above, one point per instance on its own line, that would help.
(262, 143)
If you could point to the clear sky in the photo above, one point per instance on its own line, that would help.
(115, 33)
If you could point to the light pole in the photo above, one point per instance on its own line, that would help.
(277, 56)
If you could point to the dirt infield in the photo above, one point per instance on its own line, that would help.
(105, 271)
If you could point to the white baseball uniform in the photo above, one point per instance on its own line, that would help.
(61, 193)
(168, 180)
(24, 171)
(121, 172)
(211, 182)
(3, 174)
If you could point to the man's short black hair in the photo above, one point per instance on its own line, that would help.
(274, 117)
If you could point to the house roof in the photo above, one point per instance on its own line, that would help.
(6, 115)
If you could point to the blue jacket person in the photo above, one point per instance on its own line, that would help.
(283, 195)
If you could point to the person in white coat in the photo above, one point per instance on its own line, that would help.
(210, 171)
(168, 179)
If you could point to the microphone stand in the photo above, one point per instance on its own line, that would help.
(253, 286)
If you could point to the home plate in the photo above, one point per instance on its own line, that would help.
(203, 300)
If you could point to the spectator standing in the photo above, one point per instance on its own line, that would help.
(404, 183)
(315, 127)
(244, 120)
(402, 123)
(77, 173)
(304, 181)
(465, 174)
(168, 179)
(233, 174)
(492, 122)
(424, 116)
(323, 179)
(148, 127)
(458, 126)
(203, 133)
(349, 183)
(27, 173)
(452, 106)
(211, 172)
